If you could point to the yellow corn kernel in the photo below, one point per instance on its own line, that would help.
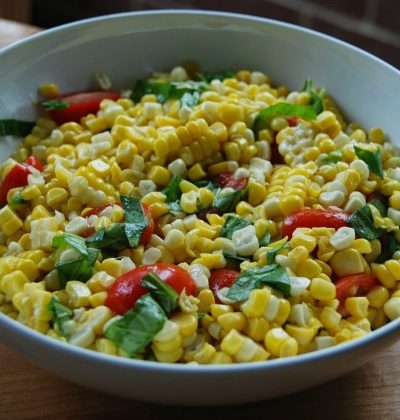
(290, 204)
(322, 290)
(376, 135)
(158, 209)
(49, 90)
(154, 197)
(206, 321)
(218, 309)
(220, 358)
(283, 312)
(30, 192)
(12, 283)
(330, 318)
(234, 320)
(78, 293)
(307, 241)
(346, 262)
(243, 208)
(187, 186)
(232, 151)
(206, 299)
(168, 357)
(228, 113)
(232, 342)
(9, 221)
(159, 175)
(222, 167)
(96, 125)
(187, 323)
(56, 196)
(382, 273)
(256, 328)
(196, 172)
(274, 340)
(40, 212)
(362, 246)
(393, 266)
(98, 299)
(206, 197)
(257, 193)
(205, 354)
(378, 296)
(308, 268)
(357, 306)
(256, 303)
(106, 346)
(188, 202)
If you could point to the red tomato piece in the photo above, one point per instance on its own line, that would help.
(354, 285)
(228, 181)
(80, 104)
(292, 121)
(35, 162)
(149, 229)
(126, 290)
(17, 177)
(314, 218)
(220, 278)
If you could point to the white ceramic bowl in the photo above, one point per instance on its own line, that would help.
(131, 45)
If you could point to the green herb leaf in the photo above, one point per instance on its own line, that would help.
(232, 224)
(211, 185)
(136, 221)
(226, 199)
(266, 239)
(111, 240)
(61, 314)
(234, 261)
(372, 159)
(389, 246)
(271, 254)
(175, 208)
(11, 127)
(167, 90)
(161, 292)
(282, 109)
(69, 239)
(317, 101)
(201, 315)
(173, 189)
(363, 224)
(136, 329)
(17, 200)
(333, 157)
(274, 276)
(53, 104)
(79, 270)
(220, 75)
(380, 205)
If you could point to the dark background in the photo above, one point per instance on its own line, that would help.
(373, 25)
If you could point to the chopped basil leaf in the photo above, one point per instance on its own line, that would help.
(372, 159)
(232, 224)
(201, 315)
(333, 157)
(271, 254)
(226, 199)
(273, 275)
(61, 314)
(53, 104)
(167, 90)
(136, 329)
(220, 75)
(234, 261)
(173, 190)
(162, 293)
(363, 224)
(266, 239)
(110, 240)
(380, 205)
(266, 115)
(13, 127)
(211, 185)
(79, 270)
(17, 200)
(317, 101)
(69, 239)
(136, 221)
(389, 246)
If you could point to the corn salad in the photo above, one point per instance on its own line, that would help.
(278, 220)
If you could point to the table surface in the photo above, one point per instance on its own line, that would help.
(26, 391)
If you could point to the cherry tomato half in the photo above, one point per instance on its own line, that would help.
(35, 162)
(126, 290)
(220, 278)
(80, 104)
(314, 218)
(228, 181)
(354, 285)
(292, 121)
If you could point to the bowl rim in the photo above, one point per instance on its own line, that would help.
(129, 363)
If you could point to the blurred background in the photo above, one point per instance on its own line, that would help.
(373, 25)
